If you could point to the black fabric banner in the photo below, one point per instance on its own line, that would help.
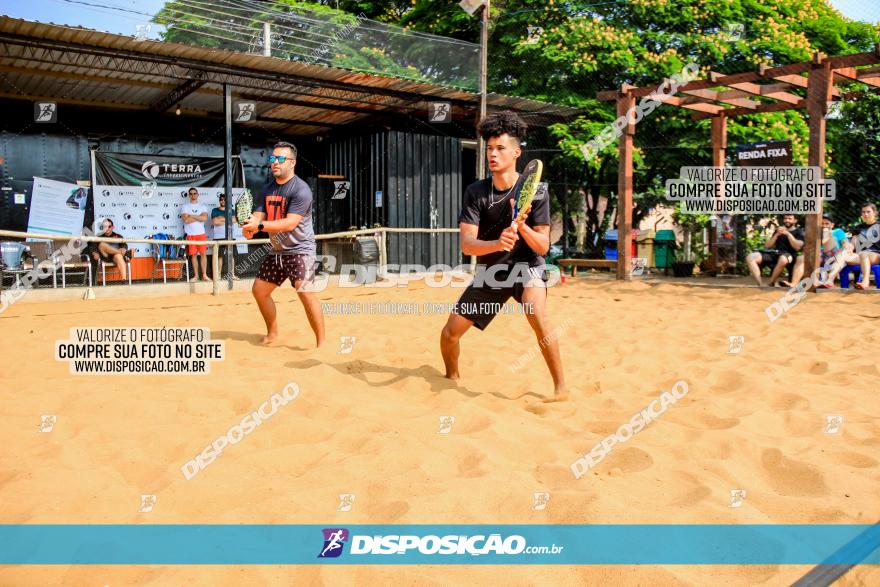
(768, 154)
(133, 169)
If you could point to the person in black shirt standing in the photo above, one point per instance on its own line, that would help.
(510, 259)
(283, 208)
(869, 255)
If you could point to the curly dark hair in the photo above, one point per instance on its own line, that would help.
(499, 123)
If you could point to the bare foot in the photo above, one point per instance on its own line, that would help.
(540, 408)
(453, 376)
(269, 340)
(320, 343)
(193, 279)
(560, 395)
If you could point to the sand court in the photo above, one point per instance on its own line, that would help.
(369, 416)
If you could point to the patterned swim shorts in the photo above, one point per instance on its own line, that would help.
(277, 268)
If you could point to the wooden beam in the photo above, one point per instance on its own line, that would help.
(742, 103)
(775, 91)
(735, 97)
(780, 92)
(869, 71)
(703, 107)
(728, 95)
(786, 73)
(773, 107)
(717, 79)
(719, 151)
(801, 82)
(847, 73)
(794, 80)
(705, 94)
(855, 59)
(625, 101)
(870, 76)
(821, 82)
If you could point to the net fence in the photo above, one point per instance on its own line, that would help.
(51, 261)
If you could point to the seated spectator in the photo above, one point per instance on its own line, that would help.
(869, 230)
(779, 252)
(837, 251)
(111, 252)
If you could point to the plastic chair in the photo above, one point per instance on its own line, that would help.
(112, 266)
(83, 265)
(41, 254)
(167, 255)
(856, 271)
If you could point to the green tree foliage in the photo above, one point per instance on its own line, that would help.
(587, 47)
(855, 165)
(583, 48)
(315, 33)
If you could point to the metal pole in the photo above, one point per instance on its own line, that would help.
(484, 66)
(267, 40)
(227, 163)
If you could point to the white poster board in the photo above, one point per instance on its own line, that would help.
(57, 207)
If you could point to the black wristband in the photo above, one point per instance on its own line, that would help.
(260, 227)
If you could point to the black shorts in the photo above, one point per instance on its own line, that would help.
(277, 268)
(769, 259)
(481, 303)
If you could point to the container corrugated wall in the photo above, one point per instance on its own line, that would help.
(424, 191)
(420, 177)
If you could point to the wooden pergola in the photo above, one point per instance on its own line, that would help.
(727, 96)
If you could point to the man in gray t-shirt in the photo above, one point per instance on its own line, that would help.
(283, 208)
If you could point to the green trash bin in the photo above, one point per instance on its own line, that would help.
(664, 248)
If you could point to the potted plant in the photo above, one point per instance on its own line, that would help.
(693, 245)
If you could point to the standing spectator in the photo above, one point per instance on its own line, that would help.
(218, 220)
(194, 216)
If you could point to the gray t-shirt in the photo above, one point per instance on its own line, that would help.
(277, 201)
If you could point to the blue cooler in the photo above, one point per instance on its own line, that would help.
(611, 245)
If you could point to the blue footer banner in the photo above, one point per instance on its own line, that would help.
(616, 544)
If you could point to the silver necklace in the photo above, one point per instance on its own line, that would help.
(502, 198)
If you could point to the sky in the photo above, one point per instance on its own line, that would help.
(129, 14)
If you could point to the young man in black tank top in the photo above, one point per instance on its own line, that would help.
(503, 251)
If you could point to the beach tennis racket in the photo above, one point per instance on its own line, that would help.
(531, 183)
(244, 207)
